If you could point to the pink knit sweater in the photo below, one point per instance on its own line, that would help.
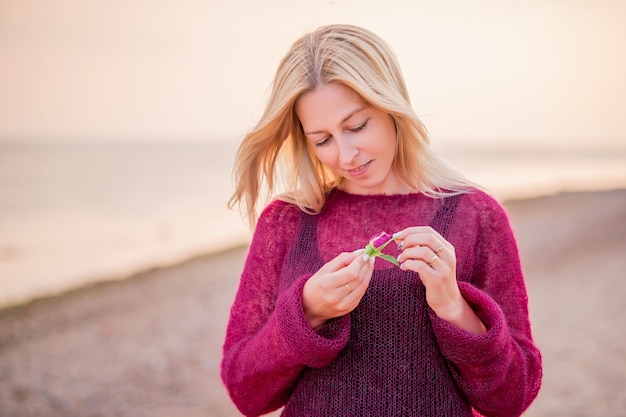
(392, 356)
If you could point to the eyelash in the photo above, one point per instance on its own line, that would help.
(322, 143)
(355, 130)
(359, 128)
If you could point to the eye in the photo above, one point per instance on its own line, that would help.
(359, 128)
(323, 142)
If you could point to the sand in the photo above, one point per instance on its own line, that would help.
(151, 345)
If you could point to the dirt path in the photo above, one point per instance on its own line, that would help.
(151, 345)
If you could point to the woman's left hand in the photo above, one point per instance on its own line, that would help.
(424, 251)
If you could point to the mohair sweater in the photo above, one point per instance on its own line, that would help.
(391, 356)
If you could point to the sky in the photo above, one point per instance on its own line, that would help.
(493, 72)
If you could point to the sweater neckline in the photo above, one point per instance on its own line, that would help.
(337, 192)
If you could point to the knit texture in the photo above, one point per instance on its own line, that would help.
(392, 356)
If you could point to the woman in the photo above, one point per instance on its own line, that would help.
(321, 325)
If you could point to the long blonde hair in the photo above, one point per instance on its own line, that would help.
(275, 158)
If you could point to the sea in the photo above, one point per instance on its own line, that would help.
(73, 214)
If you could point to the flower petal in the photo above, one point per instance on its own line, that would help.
(380, 239)
(376, 245)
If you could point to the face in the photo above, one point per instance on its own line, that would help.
(355, 140)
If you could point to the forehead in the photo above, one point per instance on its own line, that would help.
(328, 105)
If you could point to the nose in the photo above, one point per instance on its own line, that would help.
(347, 151)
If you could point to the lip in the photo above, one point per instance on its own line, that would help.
(360, 170)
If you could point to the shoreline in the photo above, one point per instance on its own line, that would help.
(30, 292)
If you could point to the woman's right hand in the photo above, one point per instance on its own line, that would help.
(337, 288)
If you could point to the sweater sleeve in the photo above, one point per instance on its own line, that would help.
(268, 340)
(500, 371)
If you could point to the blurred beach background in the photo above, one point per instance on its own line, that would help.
(119, 120)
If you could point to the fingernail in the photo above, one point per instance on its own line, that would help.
(358, 250)
(396, 235)
(400, 245)
(366, 257)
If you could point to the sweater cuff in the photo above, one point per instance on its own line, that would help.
(463, 347)
(313, 349)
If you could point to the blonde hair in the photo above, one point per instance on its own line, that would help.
(275, 157)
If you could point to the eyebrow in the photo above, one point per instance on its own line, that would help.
(345, 119)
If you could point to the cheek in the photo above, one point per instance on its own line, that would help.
(391, 138)
(383, 142)
(326, 155)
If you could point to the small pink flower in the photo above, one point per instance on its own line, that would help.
(376, 245)
(380, 239)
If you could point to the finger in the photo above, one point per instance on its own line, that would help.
(427, 269)
(339, 262)
(419, 257)
(418, 253)
(432, 241)
(401, 235)
(349, 277)
(415, 265)
(348, 287)
(422, 236)
(358, 272)
(350, 299)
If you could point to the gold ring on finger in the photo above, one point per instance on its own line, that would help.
(348, 287)
(432, 261)
(440, 248)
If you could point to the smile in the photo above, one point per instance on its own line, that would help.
(359, 169)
